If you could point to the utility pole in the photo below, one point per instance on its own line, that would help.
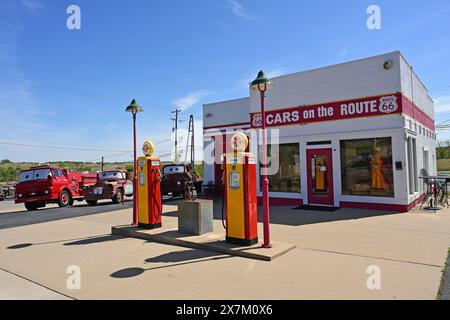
(190, 142)
(191, 129)
(175, 128)
(103, 162)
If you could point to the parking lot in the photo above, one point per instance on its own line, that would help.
(14, 215)
(333, 255)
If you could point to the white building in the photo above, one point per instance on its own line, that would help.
(355, 134)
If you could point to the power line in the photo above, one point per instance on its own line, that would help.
(59, 147)
(73, 148)
(177, 111)
(110, 156)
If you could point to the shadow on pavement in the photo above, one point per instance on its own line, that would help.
(180, 256)
(127, 273)
(77, 241)
(302, 217)
(294, 217)
(183, 257)
(19, 246)
(93, 240)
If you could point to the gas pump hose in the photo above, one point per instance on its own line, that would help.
(223, 200)
(159, 214)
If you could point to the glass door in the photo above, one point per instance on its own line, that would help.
(320, 177)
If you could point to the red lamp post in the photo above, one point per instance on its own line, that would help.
(262, 84)
(134, 108)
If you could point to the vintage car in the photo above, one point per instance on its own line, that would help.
(176, 176)
(112, 185)
(2, 194)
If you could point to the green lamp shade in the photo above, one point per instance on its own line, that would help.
(261, 80)
(134, 107)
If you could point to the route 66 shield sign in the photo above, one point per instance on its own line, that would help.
(257, 120)
(388, 104)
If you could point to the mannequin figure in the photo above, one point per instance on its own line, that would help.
(376, 171)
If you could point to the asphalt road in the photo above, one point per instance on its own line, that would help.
(15, 215)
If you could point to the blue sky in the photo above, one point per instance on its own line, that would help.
(69, 88)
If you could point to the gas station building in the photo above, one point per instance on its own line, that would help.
(354, 135)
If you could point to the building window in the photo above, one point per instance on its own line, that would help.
(426, 160)
(287, 179)
(367, 167)
(412, 165)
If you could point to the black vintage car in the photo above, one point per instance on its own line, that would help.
(176, 176)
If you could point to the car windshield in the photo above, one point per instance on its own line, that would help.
(31, 175)
(173, 169)
(111, 175)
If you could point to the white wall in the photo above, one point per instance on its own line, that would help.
(356, 79)
(418, 92)
(226, 112)
(398, 135)
(361, 78)
(208, 174)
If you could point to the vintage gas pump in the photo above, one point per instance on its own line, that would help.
(149, 188)
(240, 193)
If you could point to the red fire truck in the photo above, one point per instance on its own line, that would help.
(47, 184)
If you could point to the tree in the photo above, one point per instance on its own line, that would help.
(443, 149)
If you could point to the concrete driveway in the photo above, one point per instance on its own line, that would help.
(333, 254)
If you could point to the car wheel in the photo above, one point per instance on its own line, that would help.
(64, 199)
(31, 206)
(118, 196)
(91, 202)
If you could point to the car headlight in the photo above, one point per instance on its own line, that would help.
(20, 195)
(46, 192)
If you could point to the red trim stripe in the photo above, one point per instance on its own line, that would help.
(382, 206)
(407, 107)
(285, 202)
(413, 111)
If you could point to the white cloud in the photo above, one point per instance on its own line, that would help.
(191, 99)
(239, 11)
(442, 104)
(23, 119)
(33, 6)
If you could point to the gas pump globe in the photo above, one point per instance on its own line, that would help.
(149, 188)
(240, 193)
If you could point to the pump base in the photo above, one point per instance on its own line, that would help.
(242, 242)
(149, 226)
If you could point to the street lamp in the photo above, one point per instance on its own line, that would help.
(262, 84)
(134, 108)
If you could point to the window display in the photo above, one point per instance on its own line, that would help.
(367, 167)
(287, 179)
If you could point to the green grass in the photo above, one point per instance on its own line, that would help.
(444, 272)
(443, 165)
